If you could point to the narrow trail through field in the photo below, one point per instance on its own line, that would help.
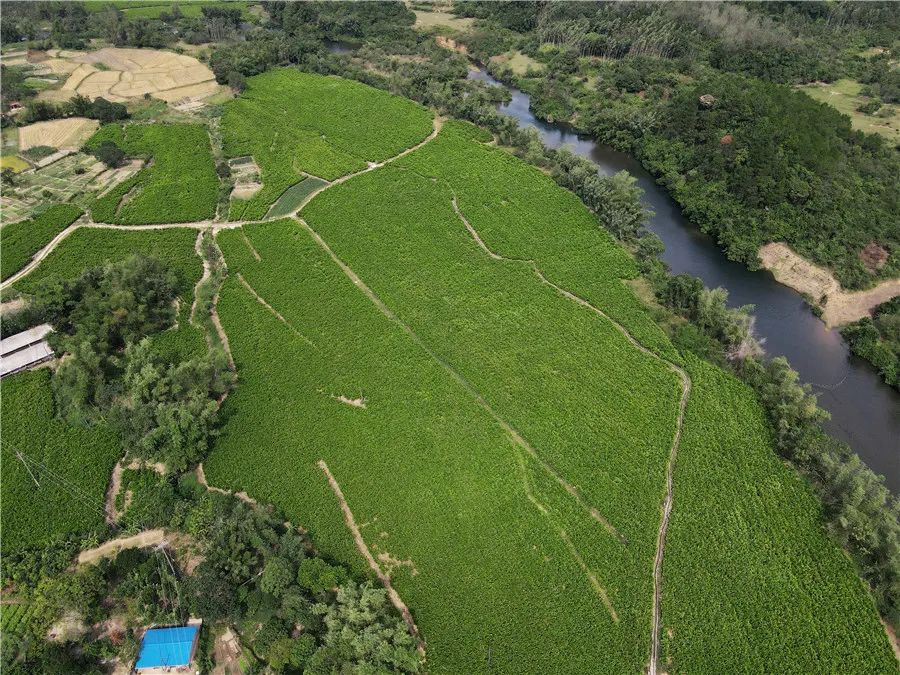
(676, 439)
(275, 312)
(437, 124)
(363, 548)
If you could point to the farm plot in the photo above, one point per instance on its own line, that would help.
(293, 197)
(750, 575)
(71, 179)
(519, 213)
(89, 247)
(14, 617)
(119, 74)
(20, 241)
(494, 580)
(179, 184)
(68, 133)
(81, 457)
(151, 9)
(295, 123)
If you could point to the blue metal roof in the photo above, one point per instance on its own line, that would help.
(167, 647)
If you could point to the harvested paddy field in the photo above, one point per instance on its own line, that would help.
(119, 74)
(293, 124)
(513, 421)
(69, 133)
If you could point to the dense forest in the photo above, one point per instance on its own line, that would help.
(877, 339)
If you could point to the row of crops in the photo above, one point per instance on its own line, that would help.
(66, 501)
(179, 185)
(520, 212)
(294, 123)
(14, 617)
(20, 241)
(750, 575)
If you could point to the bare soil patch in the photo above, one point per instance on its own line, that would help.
(113, 546)
(839, 306)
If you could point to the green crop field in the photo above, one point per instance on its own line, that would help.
(80, 460)
(20, 241)
(750, 574)
(151, 9)
(294, 123)
(180, 184)
(456, 341)
(443, 482)
(291, 198)
(14, 617)
(467, 347)
(90, 246)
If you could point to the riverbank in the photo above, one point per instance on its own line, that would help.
(838, 307)
(864, 410)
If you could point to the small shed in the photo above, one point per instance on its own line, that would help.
(167, 649)
(25, 350)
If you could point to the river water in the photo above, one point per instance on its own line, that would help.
(865, 412)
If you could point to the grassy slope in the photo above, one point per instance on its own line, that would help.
(181, 157)
(88, 247)
(750, 574)
(845, 96)
(83, 457)
(291, 122)
(20, 241)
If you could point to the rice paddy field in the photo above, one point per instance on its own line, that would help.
(505, 445)
(179, 155)
(294, 124)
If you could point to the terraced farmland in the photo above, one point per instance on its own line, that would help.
(295, 123)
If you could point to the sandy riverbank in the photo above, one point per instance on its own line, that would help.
(839, 307)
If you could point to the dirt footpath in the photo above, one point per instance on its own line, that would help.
(840, 307)
(112, 547)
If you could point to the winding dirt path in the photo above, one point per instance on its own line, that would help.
(113, 546)
(676, 439)
(437, 124)
(385, 579)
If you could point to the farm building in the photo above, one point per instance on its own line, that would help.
(25, 350)
(166, 650)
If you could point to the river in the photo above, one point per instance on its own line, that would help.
(865, 412)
